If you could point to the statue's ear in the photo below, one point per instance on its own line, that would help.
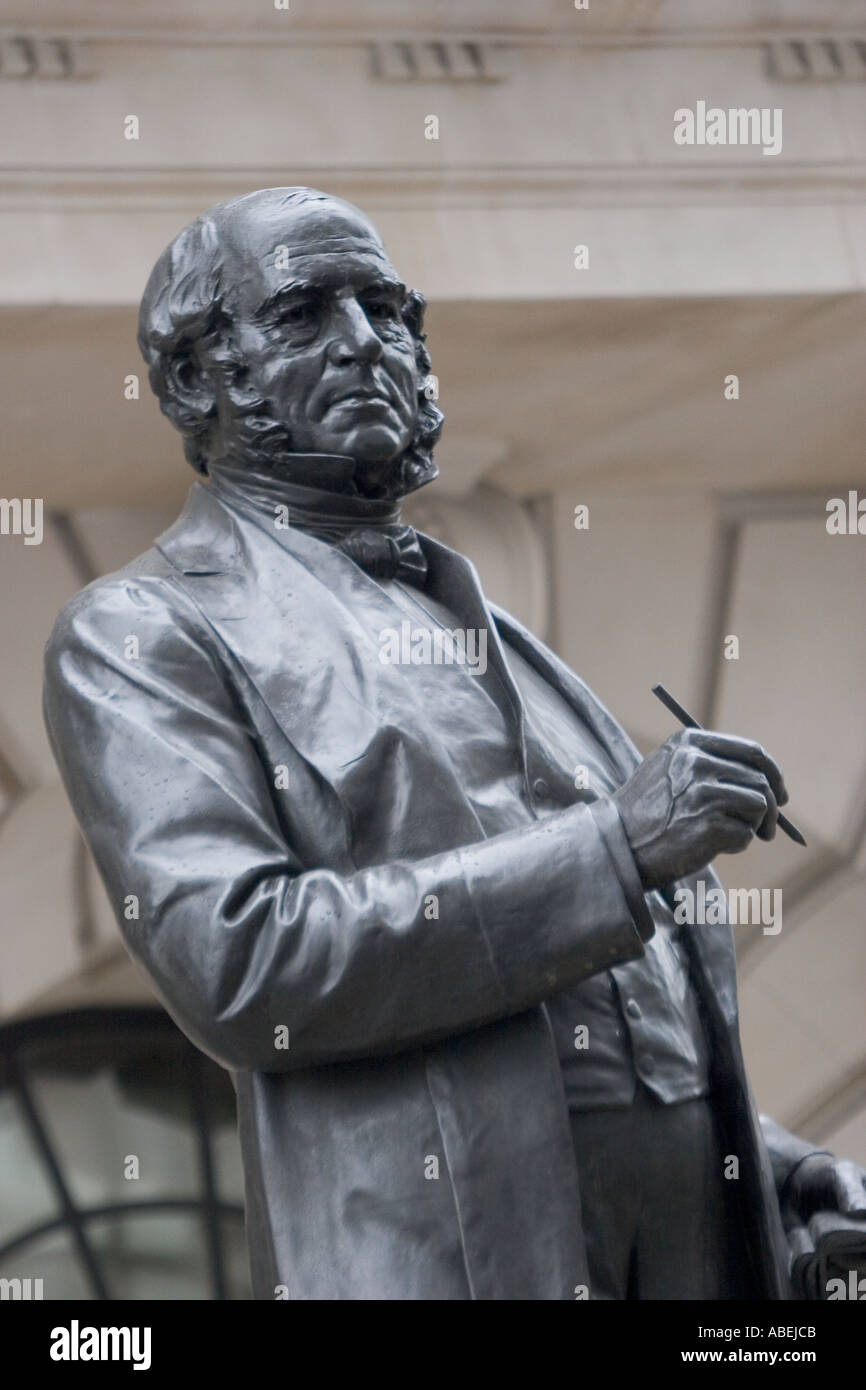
(191, 385)
(413, 311)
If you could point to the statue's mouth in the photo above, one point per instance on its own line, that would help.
(363, 398)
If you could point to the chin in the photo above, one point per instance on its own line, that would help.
(373, 447)
(378, 476)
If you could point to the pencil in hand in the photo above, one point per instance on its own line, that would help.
(686, 719)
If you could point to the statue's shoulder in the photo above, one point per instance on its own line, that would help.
(146, 590)
(138, 595)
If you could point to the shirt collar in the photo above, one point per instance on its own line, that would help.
(319, 492)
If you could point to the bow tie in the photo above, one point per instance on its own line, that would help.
(391, 552)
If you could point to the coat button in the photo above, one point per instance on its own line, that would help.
(647, 1063)
(633, 1009)
(541, 789)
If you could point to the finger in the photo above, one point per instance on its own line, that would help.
(731, 834)
(767, 829)
(734, 837)
(690, 766)
(741, 750)
(707, 767)
(850, 1189)
(712, 769)
(742, 803)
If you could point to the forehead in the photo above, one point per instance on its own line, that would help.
(326, 245)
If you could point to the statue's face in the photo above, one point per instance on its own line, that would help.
(319, 328)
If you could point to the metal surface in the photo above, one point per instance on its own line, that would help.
(356, 879)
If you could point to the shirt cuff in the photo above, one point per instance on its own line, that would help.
(607, 818)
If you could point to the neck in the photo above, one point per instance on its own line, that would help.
(319, 490)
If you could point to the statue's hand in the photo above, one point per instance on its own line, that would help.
(699, 795)
(822, 1182)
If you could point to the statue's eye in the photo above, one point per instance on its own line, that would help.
(303, 312)
(379, 309)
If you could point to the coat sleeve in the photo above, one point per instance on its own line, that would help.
(248, 948)
(786, 1150)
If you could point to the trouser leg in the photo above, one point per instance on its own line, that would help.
(681, 1240)
(604, 1145)
(659, 1216)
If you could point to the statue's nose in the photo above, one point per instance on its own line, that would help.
(354, 340)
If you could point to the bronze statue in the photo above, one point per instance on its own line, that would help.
(358, 870)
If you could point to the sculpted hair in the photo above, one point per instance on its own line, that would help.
(183, 323)
(181, 316)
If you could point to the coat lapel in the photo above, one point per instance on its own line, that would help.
(454, 581)
(714, 957)
(573, 690)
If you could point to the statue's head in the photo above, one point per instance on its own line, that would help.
(276, 324)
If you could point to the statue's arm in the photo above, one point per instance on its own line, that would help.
(809, 1178)
(785, 1149)
(240, 938)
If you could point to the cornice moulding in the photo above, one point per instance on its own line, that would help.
(506, 37)
(121, 189)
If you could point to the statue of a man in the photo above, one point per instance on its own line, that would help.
(474, 1055)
